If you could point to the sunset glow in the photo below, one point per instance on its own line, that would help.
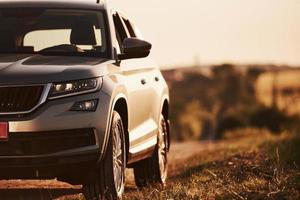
(214, 31)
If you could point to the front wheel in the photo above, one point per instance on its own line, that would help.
(108, 181)
(154, 169)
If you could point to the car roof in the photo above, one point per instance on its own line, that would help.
(83, 4)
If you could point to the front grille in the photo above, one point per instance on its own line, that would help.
(39, 143)
(19, 98)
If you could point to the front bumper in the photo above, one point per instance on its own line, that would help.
(55, 137)
(49, 166)
(48, 148)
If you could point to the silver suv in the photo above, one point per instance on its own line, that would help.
(79, 98)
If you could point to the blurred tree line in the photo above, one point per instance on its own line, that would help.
(206, 106)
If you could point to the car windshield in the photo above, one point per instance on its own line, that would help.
(52, 32)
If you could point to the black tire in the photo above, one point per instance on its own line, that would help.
(154, 170)
(108, 181)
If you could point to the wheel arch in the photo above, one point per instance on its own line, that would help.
(121, 107)
(165, 109)
(165, 112)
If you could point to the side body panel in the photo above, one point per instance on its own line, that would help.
(140, 82)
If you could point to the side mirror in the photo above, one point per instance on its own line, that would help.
(135, 48)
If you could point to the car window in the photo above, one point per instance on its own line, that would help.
(132, 28)
(120, 29)
(129, 27)
(53, 31)
(47, 38)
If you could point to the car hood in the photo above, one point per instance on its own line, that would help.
(39, 69)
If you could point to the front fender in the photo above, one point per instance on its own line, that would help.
(115, 91)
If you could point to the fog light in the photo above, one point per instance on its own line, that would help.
(90, 105)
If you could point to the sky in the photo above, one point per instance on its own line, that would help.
(216, 31)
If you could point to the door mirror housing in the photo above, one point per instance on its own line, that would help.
(135, 48)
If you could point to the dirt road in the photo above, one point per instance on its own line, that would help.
(48, 190)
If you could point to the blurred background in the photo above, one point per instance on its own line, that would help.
(205, 32)
(229, 64)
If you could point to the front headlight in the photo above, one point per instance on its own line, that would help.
(71, 88)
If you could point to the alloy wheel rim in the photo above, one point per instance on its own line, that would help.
(118, 159)
(162, 152)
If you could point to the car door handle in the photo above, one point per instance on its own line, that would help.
(143, 81)
(156, 79)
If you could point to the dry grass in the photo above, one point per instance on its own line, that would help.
(256, 165)
(247, 164)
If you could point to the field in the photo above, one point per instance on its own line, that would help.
(247, 164)
(258, 165)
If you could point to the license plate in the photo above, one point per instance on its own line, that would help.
(3, 131)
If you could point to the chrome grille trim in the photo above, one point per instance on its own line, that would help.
(42, 99)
